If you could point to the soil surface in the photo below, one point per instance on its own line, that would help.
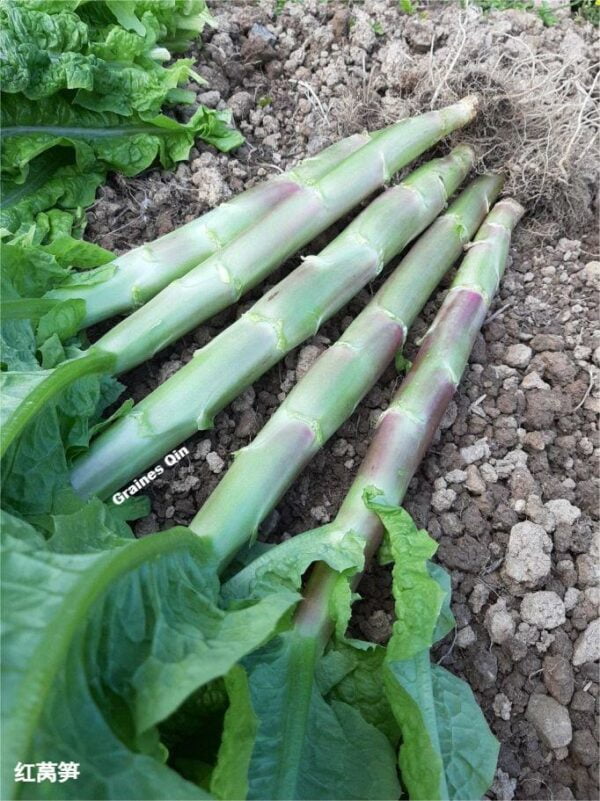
(509, 487)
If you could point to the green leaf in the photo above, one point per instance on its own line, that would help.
(63, 320)
(408, 688)
(418, 596)
(31, 271)
(445, 621)
(360, 687)
(102, 138)
(230, 776)
(284, 565)
(447, 750)
(469, 749)
(51, 182)
(307, 746)
(113, 641)
(37, 466)
(17, 343)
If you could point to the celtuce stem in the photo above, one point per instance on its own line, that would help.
(284, 317)
(142, 272)
(329, 392)
(405, 429)
(225, 276)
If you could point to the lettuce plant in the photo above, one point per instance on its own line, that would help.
(114, 646)
(87, 82)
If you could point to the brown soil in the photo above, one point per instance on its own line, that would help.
(297, 82)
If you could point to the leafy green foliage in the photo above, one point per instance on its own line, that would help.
(407, 6)
(447, 750)
(543, 10)
(84, 91)
(308, 746)
(106, 637)
(587, 9)
(90, 76)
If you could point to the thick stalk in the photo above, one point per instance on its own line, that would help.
(279, 321)
(221, 279)
(325, 397)
(144, 271)
(224, 277)
(405, 429)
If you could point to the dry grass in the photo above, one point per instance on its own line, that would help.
(538, 123)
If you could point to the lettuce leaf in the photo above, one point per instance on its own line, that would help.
(105, 637)
(102, 137)
(447, 750)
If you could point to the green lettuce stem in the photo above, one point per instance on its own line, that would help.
(328, 393)
(284, 317)
(406, 428)
(144, 271)
(224, 277)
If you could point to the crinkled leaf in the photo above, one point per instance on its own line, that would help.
(307, 746)
(36, 467)
(134, 629)
(360, 687)
(129, 144)
(447, 750)
(286, 564)
(230, 776)
(418, 596)
(17, 348)
(31, 271)
(63, 320)
(51, 182)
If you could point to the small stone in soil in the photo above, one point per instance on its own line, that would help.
(466, 637)
(550, 720)
(518, 355)
(587, 647)
(502, 706)
(476, 452)
(543, 609)
(528, 556)
(214, 461)
(558, 678)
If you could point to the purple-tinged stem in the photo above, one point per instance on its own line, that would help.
(405, 429)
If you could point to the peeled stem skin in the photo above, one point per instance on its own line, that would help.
(327, 394)
(405, 430)
(146, 270)
(280, 320)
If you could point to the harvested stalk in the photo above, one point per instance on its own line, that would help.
(447, 750)
(141, 273)
(405, 429)
(329, 392)
(224, 277)
(288, 314)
